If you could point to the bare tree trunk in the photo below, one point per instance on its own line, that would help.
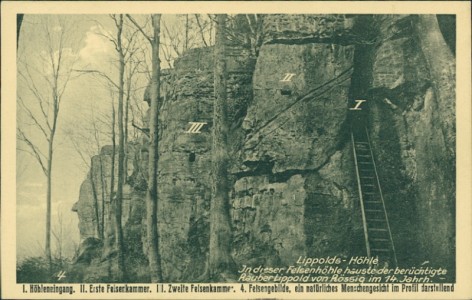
(151, 194)
(110, 228)
(126, 125)
(211, 31)
(49, 171)
(59, 238)
(113, 153)
(121, 156)
(95, 201)
(186, 32)
(48, 205)
(101, 218)
(103, 184)
(220, 231)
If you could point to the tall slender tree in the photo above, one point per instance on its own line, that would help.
(45, 80)
(220, 260)
(151, 193)
(118, 201)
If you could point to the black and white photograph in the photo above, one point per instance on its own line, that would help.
(228, 153)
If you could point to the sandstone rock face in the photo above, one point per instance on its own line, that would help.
(410, 129)
(290, 28)
(286, 130)
(294, 189)
(286, 202)
(185, 160)
(96, 222)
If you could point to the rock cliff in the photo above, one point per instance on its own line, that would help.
(293, 177)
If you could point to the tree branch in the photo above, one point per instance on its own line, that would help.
(31, 115)
(98, 73)
(201, 30)
(35, 151)
(139, 28)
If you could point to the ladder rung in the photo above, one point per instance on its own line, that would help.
(380, 250)
(368, 184)
(377, 229)
(376, 220)
(374, 210)
(380, 240)
(367, 177)
(365, 162)
(368, 193)
(363, 155)
(362, 143)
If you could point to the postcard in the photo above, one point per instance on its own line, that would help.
(236, 150)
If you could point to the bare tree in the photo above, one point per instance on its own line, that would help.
(178, 36)
(255, 34)
(58, 235)
(45, 81)
(220, 261)
(203, 31)
(121, 148)
(246, 30)
(151, 194)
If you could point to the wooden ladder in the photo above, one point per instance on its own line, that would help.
(378, 237)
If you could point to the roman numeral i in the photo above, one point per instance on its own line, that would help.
(359, 102)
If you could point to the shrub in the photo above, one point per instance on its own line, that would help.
(36, 270)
